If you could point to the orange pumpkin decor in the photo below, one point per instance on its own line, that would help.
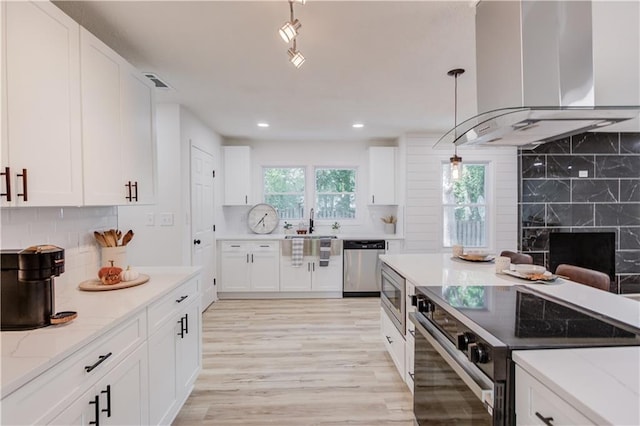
(110, 275)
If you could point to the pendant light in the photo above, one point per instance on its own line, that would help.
(455, 161)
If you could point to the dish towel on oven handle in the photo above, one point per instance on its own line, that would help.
(325, 251)
(297, 251)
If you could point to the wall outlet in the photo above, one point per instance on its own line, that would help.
(166, 219)
(150, 219)
(583, 173)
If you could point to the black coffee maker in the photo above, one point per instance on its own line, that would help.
(26, 288)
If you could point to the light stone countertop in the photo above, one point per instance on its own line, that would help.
(601, 383)
(26, 354)
(440, 269)
(239, 237)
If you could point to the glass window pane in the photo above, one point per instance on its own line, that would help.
(335, 193)
(284, 189)
(464, 206)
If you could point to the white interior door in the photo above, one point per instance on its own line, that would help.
(203, 252)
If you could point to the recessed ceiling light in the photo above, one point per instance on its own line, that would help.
(357, 125)
(263, 124)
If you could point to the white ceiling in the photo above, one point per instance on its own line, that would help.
(382, 63)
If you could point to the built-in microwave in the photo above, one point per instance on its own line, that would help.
(392, 296)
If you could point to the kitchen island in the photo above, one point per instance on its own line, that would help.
(571, 386)
(44, 371)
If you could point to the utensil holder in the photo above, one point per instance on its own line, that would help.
(389, 228)
(116, 254)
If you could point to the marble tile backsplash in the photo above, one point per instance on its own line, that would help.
(68, 227)
(588, 182)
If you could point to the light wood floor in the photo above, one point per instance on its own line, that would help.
(296, 362)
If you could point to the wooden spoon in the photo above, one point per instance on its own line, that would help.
(100, 239)
(127, 237)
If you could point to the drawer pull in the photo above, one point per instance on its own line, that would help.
(181, 299)
(108, 409)
(135, 186)
(389, 339)
(546, 420)
(186, 323)
(7, 181)
(128, 186)
(96, 401)
(235, 245)
(412, 332)
(24, 194)
(101, 358)
(412, 375)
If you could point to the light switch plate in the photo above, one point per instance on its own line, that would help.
(583, 173)
(150, 219)
(166, 219)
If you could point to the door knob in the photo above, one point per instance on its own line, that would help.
(196, 241)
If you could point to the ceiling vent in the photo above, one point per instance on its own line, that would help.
(157, 81)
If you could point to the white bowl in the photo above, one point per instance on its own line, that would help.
(529, 269)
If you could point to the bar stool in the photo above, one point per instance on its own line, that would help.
(585, 276)
(518, 258)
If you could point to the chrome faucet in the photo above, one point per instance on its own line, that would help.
(311, 221)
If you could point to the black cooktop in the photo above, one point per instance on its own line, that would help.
(520, 318)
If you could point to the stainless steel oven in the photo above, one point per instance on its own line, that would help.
(465, 335)
(392, 296)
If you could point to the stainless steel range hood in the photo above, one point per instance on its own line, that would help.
(536, 77)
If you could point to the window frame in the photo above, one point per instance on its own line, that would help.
(303, 193)
(488, 240)
(314, 190)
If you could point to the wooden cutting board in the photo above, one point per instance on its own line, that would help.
(96, 284)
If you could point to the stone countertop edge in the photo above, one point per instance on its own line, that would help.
(27, 354)
(602, 383)
(250, 237)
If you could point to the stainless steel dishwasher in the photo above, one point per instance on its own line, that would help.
(361, 267)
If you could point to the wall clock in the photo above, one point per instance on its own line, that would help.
(262, 219)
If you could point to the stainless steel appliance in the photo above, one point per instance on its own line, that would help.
(464, 338)
(392, 296)
(361, 273)
(27, 291)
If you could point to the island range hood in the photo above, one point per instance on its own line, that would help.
(536, 80)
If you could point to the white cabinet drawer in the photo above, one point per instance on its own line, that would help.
(535, 402)
(233, 246)
(393, 341)
(49, 393)
(169, 305)
(408, 358)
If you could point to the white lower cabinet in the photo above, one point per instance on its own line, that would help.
(310, 276)
(119, 398)
(538, 405)
(393, 341)
(137, 373)
(249, 266)
(175, 353)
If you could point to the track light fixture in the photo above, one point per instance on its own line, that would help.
(455, 161)
(289, 32)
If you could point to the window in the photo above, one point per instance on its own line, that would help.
(335, 193)
(464, 206)
(284, 190)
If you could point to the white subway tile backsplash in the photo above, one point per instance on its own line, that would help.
(68, 227)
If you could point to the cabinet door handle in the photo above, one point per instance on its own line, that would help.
(186, 323)
(96, 401)
(101, 359)
(181, 298)
(308, 266)
(128, 186)
(251, 257)
(389, 339)
(246, 199)
(412, 332)
(546, 420)
(7, 182)
(196, 241)
(373, 199)
(181, 334)
(23, 175)
(108, 409)
(313, 266)
(247, 257)
(135, 185)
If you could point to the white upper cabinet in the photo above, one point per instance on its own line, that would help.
(382, 175)
(237, 175)
(41, 131)
(117, 133)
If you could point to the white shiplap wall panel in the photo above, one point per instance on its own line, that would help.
(423, 215)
